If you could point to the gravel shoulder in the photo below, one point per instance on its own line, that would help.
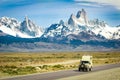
(110, 74)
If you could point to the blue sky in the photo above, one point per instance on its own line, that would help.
(46, 12)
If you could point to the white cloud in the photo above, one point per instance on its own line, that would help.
(115, 3)
(89, 4)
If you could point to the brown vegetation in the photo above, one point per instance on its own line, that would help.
(27, 63)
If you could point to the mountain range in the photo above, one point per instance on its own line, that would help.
(75, 34)
(25, 29)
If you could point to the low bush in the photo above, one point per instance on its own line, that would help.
(58, 66)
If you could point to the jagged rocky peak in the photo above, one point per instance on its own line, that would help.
(83, 13)
(78, 14)
(61, 22)
(71, 20)
(27, 24)
(72, 16)
(82, 16)
(30, 28)
(26, 19)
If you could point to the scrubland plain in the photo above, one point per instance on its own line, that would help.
(19, 63)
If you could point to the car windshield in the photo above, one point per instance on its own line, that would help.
(84, 62)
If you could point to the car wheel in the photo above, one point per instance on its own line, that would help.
(90, 69)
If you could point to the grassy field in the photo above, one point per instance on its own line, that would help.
(12, 64)
(111, 74)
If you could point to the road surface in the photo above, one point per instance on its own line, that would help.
(61, 74)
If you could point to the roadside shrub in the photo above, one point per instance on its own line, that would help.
(30, 68)
(106, 62)
(12, 66)
(44, 66)
(60, 57)
(26, 69)
(58, 66)
(10, 71)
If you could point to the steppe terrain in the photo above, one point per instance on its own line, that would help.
(17, 63)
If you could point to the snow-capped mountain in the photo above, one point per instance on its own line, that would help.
(25, 29)
(103, 29)
(76, 27)
(80, 28)
(78, 33)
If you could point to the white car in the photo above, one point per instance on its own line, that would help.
(86, 63)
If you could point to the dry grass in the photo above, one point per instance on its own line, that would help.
(25, 59)
(19, 63)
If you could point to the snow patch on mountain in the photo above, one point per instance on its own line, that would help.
(25, 29)
(7, 30)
